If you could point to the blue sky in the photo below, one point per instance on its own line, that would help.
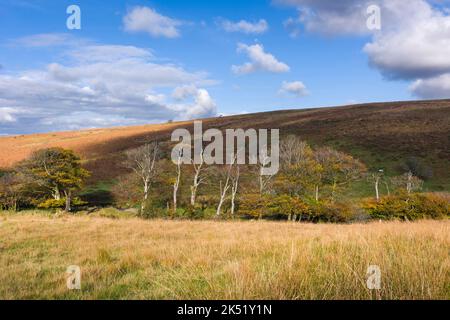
(137, 62)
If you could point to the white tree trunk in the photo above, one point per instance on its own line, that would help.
(197, 179)
(234, 189)
(177, 183)
(193, 194)
(223, 193)
(377, 193)
(56, 193)
(146, 190)
(409, 183)
(68, 195)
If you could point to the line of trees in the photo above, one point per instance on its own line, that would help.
(309, 186)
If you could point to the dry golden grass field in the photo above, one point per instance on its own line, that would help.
(138, 259)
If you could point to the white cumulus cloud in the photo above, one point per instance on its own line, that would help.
(413, 43)
(259, 61)
(202, 103)
(327, 17)
(145, 19)
(417, 45)
(432, 88)
(296, 88)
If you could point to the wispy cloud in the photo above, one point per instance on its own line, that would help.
(47, 40)
(244, 26)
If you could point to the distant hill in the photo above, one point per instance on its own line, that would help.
(383, 135)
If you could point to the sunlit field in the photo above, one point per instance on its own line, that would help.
(139, 259)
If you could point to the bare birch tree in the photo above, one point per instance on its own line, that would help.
(408, 182)
(224, 187)
(376, 179)
(199, 178)
(176, 183)
(234, 187)
(142, 161)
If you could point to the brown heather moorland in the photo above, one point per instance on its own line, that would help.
(382, 135)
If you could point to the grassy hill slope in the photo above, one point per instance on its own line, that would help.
(383, 135)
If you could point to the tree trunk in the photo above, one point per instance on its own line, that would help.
(144, 200)
(175, 191)
(233, 196)
(193, 194)
(234, 190)
(176, 184)
(317, 193)
(333, 192)
(408, 183)
(377, 193)
(219, 207)
(387, 188)
(56, 193)
(223, 193)
(68, 195)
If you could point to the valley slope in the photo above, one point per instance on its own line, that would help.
(383, 135)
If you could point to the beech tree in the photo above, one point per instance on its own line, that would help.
(58, 170)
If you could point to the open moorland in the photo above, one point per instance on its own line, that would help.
(382, 135)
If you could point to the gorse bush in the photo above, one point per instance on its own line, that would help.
(408, 207)
(198, 211)
(60, 203)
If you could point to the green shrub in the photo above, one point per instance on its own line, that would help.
(207, 201)
(326, 211)
(271, 207)
(409, 207)
(197, 212)
(253, 206)
(154, 212)
(286, 206)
